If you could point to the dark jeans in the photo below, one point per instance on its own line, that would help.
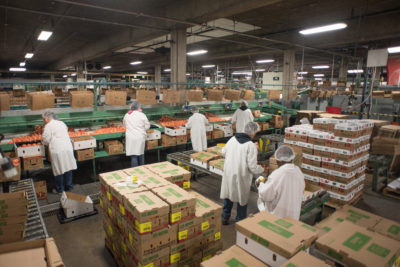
(66, 178)
(226, 211)
(137, 160)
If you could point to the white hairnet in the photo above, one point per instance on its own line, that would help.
(49, 115)
(135, 105)
(244, 103)
(284, 153)
(251, 127)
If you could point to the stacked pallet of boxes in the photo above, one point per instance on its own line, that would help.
(171, 173)
(152, 139)
(149, 221)
(13, 216)
(32, 154)
(216, 165)
(84, 147)
(335, 154)
(174, 136)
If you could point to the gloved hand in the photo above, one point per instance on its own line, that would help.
(259, 180)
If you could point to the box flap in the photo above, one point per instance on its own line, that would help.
(233, 257)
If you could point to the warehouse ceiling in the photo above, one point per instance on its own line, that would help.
(235, 32)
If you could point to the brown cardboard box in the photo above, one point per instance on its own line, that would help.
(303, 259)
(194, 95)
(31, 163)
(215, 95)
(120, 191)
(354, 245)
(167, 140)
(218, 163)
(41, 189)
(256, 113)
(395, 95)
(114, 147)
(17, 164)
(171, 96)
(248, 94)
(85, 154)
(204, 157)
(388, 228)
(378, 94)
(171, 172)
(154, 181)
(278, 124)
(216, 133)
(151, 144)
(341, 84)
(181, 252)
(81, 99)
(116, 98)
(385, 146)
(391, 131)
(215, 150)
(233, 95)
(42, 252)
(326, 83)
(146, 97)
(4, 101)
(208, 213)
(40, 100)
(181, 139)
(274, 94)
(108, 179)
(181, 204)
(187, 230)
(234, 256)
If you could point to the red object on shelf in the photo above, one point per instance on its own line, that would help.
(334, 110)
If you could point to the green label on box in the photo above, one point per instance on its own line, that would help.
(378, 250)
(357, 241)
(339, 219)
(116, 176)
(335, 255)
(173, 192)
(259, 240)
(274, 228)
(326, 228)
(355, 213)
(201, 203)
(291, 265)
(284, 223)
(234, 263)
(306, 226)
(155, 181)
(147, 200)
(394, 229)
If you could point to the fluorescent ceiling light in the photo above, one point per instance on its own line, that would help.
(44, 35)
(142, 72)
(167, 70)
(319, 75)
(197, 52)
(260, 70)
(355, 71)
(136, 62)
(300, 78)
(318, 79)
(326, 28)
(22, 64)
(208, 66)
(106, 67)
(395, 49)
(17, 69)
(65, 76)
(248, 73)
(29, 55)
(187, 74)
(321, 67)
(265, 61)
(73, 74)
(302, 72)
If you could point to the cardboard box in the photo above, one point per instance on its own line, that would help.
(278, 124)
(274, 94)
(215, 95)
(216, 133)
(83, 142)
(175, 131)
(40, 100)
(146, 97)
(116, 98)
(140, 172)
(81, 99)
(85, 154)
(303, 259)
(151, 144)
(194, 95)
(154, 181)
(234, 256)
(41, 189)
(75, 204)
(311, 191)
(171, 96)
(202, 158)
(233, 95)
(148, 212)
(4, 101)
(248, 94)
(388, 228)
(215, 150)
(167, 140)
(108, 179)
(208, 213)
(256, 113)
(29, 151)
(152, 134)
(170, 172)
(217, 166)
(378, 94)
(114, 147)
(119, 192)
(181, 203)
(42, 252)
(354, 245)
(181, 139)
(31, 163)
(272, 239)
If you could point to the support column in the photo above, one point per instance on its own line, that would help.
(52, 79)
(288, 73)
(178, 61)
(157, 77)
(80, 75)
(343, 69)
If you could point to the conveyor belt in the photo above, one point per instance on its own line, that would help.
(35, 227)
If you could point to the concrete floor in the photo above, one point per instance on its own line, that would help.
(81, 243)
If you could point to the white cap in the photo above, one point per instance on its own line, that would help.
(284, 153)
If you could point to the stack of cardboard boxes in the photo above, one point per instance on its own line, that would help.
(335, 154)
(84, 147)
(171, 173)
(149, 221)
(31, 153)
(276, 121)
(152, 138)
(174, 136)
(13, 216)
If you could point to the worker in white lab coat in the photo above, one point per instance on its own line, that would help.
(240, 166)
(242, 116)
(55, 135)
(136, 124)
(197, 125)
(282, 193)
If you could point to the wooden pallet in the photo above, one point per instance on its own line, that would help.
(391, 193)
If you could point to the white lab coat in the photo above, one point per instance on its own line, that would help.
(136, 125)
(282, 194)
(241, 118)
(240, 165)
(55, 135)
(197, 123)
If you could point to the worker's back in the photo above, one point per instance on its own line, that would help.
(241, 118)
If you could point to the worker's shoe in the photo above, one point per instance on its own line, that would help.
(225, 222)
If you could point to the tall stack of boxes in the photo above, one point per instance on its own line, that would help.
(13, 216)
(149, 221)
(335, 155)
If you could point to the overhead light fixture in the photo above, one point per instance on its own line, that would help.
(44, 35)
(248, 73)
(395, 49)
(260, 70)
(167, 70)
(321, 67)
(73, 74)
(22, 64)
(326, 28)
(17, 69)
(265, 61)
(65, 76)
(356, 71)
(208, 66)
(29, 55)
(318, 79)
(319, 75)
(197, 52)
(302, 72)
(106, 67)
(300, 78)
(136, 63)
(142, 72)
(187, 74)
